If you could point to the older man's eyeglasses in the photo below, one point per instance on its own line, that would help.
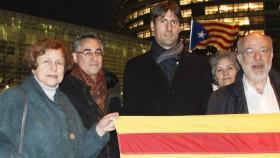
(89, 52)
(251, 51)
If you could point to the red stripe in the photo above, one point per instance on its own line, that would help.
(221, 25)
(199, 143)
(234, 34)
(222, 38)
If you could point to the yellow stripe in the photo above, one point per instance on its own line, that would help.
(238, 123)
(223, 35)
(228, 30)
(276, 155)
(217, 40)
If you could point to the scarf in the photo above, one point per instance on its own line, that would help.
(98, 88)
(167, 59)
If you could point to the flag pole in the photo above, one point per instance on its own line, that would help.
(191, 36)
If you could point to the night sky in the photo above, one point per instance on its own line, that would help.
(92, 13)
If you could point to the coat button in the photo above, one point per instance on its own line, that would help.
(72, 136)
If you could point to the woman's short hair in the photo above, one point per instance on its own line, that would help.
(39, 48)
(215, 59)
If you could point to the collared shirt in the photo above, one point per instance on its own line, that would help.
(260, 103)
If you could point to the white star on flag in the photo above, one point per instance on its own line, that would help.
(201, 34)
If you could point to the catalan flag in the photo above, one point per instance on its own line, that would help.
(213, 33)
(208, 136)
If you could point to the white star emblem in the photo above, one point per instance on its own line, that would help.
(201, 34)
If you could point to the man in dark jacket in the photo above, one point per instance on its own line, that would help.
(86, 87)
(167, 80)
(257, 87)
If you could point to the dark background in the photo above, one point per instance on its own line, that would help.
(91, 13)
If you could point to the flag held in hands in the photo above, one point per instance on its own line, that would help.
(209, 136)
(213, 33)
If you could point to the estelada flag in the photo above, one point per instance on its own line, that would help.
(208, 136)
(213, 33)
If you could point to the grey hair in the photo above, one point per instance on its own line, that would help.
(215, 59)
(77, 41)
(240, 43)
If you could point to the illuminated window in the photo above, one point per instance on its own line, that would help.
(134, 14)
(184, 2)
(226, 20)
(241, 7)
(211, 10)
(140, 12)
(147, 10)
(197, 1)
(208, 20)
(242, 20)
(185, 26)
(256, 6)
(144, 34)
(226, 8)
(186, 13)
(15, 23)
(136, 24)
(140, 23)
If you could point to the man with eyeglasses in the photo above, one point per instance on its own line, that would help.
(257, 86)
(167, 80)
(85, 86)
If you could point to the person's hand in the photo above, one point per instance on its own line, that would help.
(106, 124)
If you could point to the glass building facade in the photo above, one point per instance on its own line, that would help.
(263, 16)
(134, 15)
(18, 31)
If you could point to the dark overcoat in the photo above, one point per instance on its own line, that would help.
(147, 91)
(231, 99)
(78, 93)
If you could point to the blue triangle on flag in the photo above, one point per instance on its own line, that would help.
(198, 34)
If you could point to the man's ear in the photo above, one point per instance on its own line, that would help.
(239, 58)
(152, 25)
(271, 55)
(179, 28)
(74, 55)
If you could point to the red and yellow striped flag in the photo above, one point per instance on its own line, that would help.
(213, 33)
(209, 136)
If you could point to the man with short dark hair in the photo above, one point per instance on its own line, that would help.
(257, 86)
(86, 87)
(167, 80)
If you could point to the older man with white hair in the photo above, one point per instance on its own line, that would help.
(257, 86)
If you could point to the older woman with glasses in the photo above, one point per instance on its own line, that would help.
(38, 120)
(224, 68)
